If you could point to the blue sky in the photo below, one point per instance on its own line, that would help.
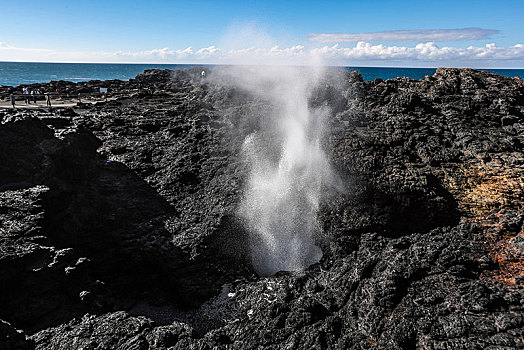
(160, 31)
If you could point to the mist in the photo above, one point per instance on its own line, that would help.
(287, 167)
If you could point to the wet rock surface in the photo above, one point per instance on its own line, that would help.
(119, 229)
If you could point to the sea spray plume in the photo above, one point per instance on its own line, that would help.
(287, 167)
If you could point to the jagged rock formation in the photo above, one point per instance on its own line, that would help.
(118, 226)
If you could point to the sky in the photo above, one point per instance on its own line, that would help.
(389, 33)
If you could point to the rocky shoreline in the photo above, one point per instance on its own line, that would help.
(119, 230)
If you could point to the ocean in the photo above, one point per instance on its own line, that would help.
(18, 73)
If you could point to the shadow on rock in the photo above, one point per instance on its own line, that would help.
(84, 234)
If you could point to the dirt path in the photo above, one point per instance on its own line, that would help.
(54, 103)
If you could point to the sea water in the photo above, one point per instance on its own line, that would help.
(18, 73)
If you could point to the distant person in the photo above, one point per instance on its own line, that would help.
(203, 74)
(34, 95)
(26, 95)
(48, 99)
(12, 98)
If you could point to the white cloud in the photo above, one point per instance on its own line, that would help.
(185, 52)
(275, 51)
(8, 48)
(207, 52)
(421, 52)
(421, 35)
(363, 53)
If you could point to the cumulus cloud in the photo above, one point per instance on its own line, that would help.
(421, 52)
(407, 35)
(363, 53)
(206, 52)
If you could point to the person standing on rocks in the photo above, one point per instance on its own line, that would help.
(48, 99)
(203, 74)
(13, 100)
(26, 95)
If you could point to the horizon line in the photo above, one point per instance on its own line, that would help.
(219, 64)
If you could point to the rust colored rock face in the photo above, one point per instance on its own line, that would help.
(491, 195)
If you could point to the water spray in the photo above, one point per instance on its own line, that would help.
(287, 171)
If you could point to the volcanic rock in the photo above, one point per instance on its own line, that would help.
(119, 227)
